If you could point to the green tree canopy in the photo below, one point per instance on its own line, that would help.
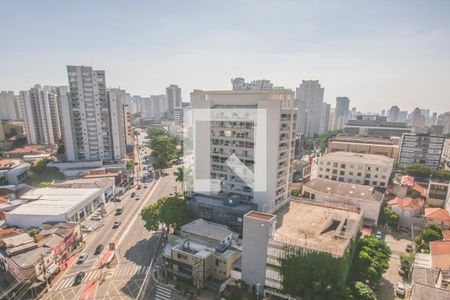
(171, 212)
(163, 152)
(390, 217)
(418, 170)
(40, 173)
(428, 234)
(130, 164)
(371, 260)
(153, 132)
(362, 291)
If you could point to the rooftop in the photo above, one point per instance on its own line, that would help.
(425, 292)
(207, 229)
(321, 227)
(424, 275)
(351, 157)
(362, 140)
(30, 258)
(437, 213)
(9, 163)
(28, 149)
(53, 201)
(17, 240)
(446, 235)
(407, 203)
(345, 190)
(102, 175)
(95, 183)
(260, 216)
(440, 248)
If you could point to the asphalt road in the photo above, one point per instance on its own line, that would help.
(134, 244)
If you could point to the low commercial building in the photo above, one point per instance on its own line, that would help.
(106, 185)
(202, 255)
(306, 227)
(421, 149)
(409, 210)
(364, 197)
(365, 145)
(440, 255)
(63, 238)
(227, 211)
(13, 171)
(367, 169)
(54, 205)
(376, 126)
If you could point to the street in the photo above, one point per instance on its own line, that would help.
(134, 249)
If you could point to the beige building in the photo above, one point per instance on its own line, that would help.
(365, 145)
(363, 197)
(203, 255)
(367, 169)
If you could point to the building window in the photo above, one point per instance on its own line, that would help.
(328, 170)
(343, 166)
(367, 175)
(382, 183)
(341, 179)
(217, 262)
(367, 182)
(351, 166)
(350, 173)
(374, 183)
(335, 165)
(359, 174)
(313, 196)
(327, 177)
(334, 171)
(328, 163)
(181, 256)
(342, 173)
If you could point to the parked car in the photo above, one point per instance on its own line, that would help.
(408, 248)
(400, 289)
(116, 224)
(82, 258)
(78, 278)
(379, 235)
(133, 194)
(145, 186)
(96, 217)
(137, 198)
(98, 250)
(86, 228)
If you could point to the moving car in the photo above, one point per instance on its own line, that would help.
(78, 278)
(116, 224)
(82, 258)
(400, 289)
(99, 249)
(96, 217)
(137, 198)
(119, 211)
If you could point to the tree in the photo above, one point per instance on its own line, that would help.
(163, 152)
(170, 212)
(371, 260)
(428, 234)
(406, 262)
(418, 170)
(130, 164)
(61, 149)
(40, 173)
(153, 132)
(390, 217)
(362, 291)
(184, 175)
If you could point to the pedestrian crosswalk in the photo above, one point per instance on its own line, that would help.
(162, 293)
(68, 282)
(130, 270)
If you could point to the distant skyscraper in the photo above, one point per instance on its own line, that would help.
(418, 119)
(8, 106)
(383, 112)
(394, 114)
(91, 117)
(325, 117)
(42, 115)
(239, 84)
(311, 93)
(341, 112)
(353, 113)
(154, 107)
(173, 94)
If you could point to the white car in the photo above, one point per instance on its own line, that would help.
(82, 258)
(96, 217)
(400, 289)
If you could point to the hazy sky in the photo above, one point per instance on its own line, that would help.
(376, 53)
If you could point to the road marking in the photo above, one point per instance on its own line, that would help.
(68, 282)
(128, 270)
(162, 293)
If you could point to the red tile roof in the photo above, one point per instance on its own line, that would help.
(437, 213)
(420, 189)
(4, 200)
(440, 248)
(407, 180)
(25, 149)
(407, 203)
(8, 230)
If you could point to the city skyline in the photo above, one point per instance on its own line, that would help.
(401, 60)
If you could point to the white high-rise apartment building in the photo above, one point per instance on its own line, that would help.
(9, 106)
(92, 118)
(326, 108)
(173, 94)
(309, 96)
(341, 112)
(154, 107)
(264, 144)
(41, 115)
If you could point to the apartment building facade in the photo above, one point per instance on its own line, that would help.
(367, 169)
(421, 149)
(366, 145)
(257, 128)
(41, 115)
(173, 94)
(91, 117)
(9, 105)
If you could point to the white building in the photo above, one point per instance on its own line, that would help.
(91, 117)
(446, 152)
(42, 115)
(421, 149)
(368, 169)
(341, 112)
(363, 197)
(257, 128)
(173, 94)
(54, 205)
(154, 107)
(310, 93)
(9, 106)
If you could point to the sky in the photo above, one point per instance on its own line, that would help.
(378, 53)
